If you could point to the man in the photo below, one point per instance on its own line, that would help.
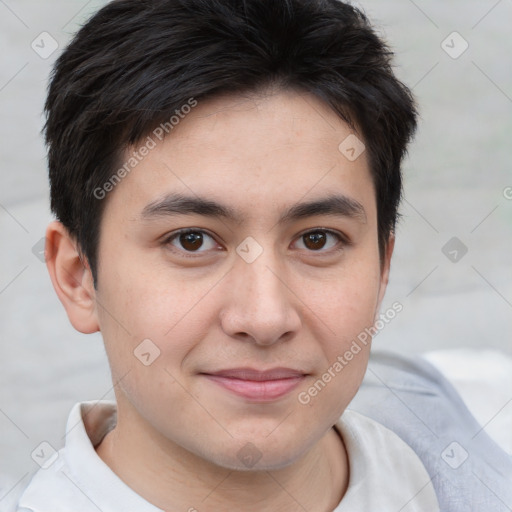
(226, 178)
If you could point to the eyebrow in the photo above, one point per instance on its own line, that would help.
(179, 204)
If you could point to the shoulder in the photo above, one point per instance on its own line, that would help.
(77, 479)
(53, 489)
(385, 473)
(410, 397)
(56, 485)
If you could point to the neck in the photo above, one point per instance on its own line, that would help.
(172, 478)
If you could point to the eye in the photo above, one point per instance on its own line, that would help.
(191, 240)
(320, 240)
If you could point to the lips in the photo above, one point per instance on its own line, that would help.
(258, 375)
(258, 385)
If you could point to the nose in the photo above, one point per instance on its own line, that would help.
(259, 304)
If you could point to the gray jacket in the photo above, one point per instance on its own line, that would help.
(469, 471)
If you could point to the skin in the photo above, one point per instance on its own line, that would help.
(294, 306)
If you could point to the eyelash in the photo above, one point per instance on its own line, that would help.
(343, 241)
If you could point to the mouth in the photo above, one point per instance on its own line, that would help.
(257, 385)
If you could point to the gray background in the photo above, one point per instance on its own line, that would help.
(457, 172)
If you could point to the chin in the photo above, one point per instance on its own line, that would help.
(259, 455)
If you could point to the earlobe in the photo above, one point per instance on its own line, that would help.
(71, 278)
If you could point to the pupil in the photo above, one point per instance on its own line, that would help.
(191, 241)
(315, 240)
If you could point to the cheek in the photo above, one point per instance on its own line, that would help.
(345, 303)
(346, 309)
(155, 304)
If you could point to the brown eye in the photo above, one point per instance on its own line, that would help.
(191, 241)
(315, 240)
(321, 240)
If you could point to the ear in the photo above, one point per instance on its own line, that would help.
(71, 278)
(385, 268)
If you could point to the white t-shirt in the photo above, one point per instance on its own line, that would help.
(385, 474)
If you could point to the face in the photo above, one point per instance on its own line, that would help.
(243, 250)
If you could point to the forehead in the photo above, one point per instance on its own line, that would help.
(252, 150)
(256, 125)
